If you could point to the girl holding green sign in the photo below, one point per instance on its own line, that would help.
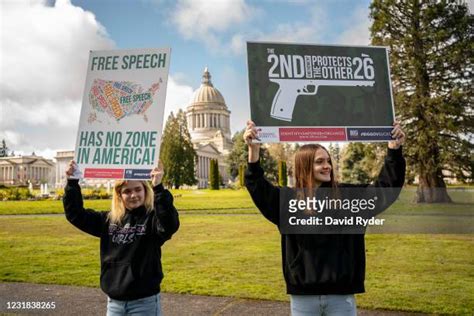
(141, 219)
(322, 271)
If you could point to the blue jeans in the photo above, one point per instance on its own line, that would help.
(146, 306)
(330, 305)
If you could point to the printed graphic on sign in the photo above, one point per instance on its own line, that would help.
(295, 67)
(122, 113)
(120, 98)
(319, 86)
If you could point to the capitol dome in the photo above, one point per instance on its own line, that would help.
(208, 121)
(206, 92)
(208, 116)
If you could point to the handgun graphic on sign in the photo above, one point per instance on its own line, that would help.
(289, 90)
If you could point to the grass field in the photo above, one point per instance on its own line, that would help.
(239, 255)
(231, 201)
(185, 200)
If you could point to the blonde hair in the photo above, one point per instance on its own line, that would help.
(117, 211)
(304, 172)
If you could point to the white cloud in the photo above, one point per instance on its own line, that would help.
(43, 112)
(45, 50)
(237, 44)
(205, 20)
(317, 29)
(293, 32)
(225, 26)
(178, 96)
(11, 138)
(357, 32)
(44, 53)
(47, 153)
(311, 31)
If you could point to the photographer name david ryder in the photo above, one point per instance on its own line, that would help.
(311, 206)
(329, 221)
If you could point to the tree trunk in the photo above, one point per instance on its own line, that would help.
(432, 189)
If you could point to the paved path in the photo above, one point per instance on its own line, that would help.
(74, 300)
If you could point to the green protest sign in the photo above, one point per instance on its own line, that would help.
(320, 93)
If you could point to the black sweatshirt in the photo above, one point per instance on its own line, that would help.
(322, 264)
(130, 253)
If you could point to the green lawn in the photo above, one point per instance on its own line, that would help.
(232, 201)
(239, 255)
(185, 200)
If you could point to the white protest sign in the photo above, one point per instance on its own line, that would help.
(122, 113)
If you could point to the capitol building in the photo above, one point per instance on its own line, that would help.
(208, 120)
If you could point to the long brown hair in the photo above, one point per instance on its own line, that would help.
(117, 211)
(304, 172)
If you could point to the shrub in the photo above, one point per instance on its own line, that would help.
(95, 193)
(214, 175)
(242, 175)
(15, 194)
(104, 195)
(24, 194)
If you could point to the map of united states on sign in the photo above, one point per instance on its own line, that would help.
(119, 99)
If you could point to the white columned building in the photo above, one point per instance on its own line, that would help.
(63, 158)
(23, 170)
(208, 120)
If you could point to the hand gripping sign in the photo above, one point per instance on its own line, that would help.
(320, 93)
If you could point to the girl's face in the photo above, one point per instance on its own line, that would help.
(322, 166)
(132, 194)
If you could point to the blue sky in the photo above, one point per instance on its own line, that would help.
(208, 39)
(48, 44)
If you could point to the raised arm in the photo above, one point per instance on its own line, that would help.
(87, 220)
(265, 195)
(250, 135)
(392, 174)
(391, 178)
(166, 218)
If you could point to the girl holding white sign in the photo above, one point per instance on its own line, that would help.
(141, 219)
(322, 271)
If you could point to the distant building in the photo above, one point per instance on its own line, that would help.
(208, 122)
(22, 170)
(63, 158)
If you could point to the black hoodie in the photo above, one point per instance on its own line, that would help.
(130, 253)
(323, 264)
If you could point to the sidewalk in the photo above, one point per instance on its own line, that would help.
(73, 300)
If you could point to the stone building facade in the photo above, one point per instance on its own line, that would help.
(23, 170)
(208, 120)
(63, 158)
